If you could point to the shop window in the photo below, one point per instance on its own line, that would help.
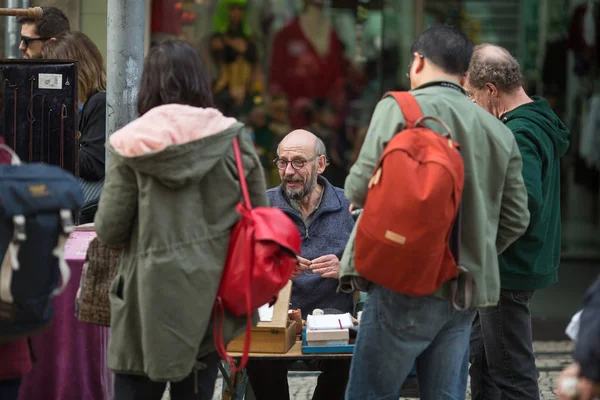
(279, 65)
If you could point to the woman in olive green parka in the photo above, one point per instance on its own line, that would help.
(170, 195)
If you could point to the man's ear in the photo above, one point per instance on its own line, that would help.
(491, 89)
(463, 81)
(419, 62)
(322, 164)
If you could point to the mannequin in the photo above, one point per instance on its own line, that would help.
(234, 52)
(316, 27)
(308, 62)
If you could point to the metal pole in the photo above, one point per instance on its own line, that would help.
(124, 61)
(12, 28)
(11, 35)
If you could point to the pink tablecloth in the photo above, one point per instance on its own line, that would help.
(71, 355)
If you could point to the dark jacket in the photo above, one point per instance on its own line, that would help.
(92, 126)
(587, 349)
(531, 262)
(15, 356)
(328, 233)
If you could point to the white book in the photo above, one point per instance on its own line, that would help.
(327, 343)
(331, 321)
(313, 335)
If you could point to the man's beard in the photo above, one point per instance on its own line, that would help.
(302, 192)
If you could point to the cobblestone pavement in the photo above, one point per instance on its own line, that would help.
(551, 357)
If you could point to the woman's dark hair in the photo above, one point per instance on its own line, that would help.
(174, 73)
(77, 46)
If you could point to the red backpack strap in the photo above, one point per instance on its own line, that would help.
(411, 110)
(218, 308)
(241, 173)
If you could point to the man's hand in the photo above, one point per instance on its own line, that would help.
(303, 265)
(586, 389)
(327, 266)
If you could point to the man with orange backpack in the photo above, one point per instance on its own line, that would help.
(410, 195)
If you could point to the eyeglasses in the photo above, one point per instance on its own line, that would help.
(26, 40)
(297, 163)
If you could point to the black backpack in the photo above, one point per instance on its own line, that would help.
(37, 202)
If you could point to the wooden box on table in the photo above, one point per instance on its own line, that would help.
(276, 336)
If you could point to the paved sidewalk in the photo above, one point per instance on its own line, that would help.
(551, 357)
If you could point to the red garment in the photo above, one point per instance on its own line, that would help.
(301, 74)
(4, 156)
(166, 17)
(15, 358)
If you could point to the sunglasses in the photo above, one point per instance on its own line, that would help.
(26, 40)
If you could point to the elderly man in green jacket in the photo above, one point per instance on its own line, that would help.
(398, 330)
(502, 360)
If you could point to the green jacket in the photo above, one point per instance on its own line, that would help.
(170, 194)
(532, 262)
(494, 197)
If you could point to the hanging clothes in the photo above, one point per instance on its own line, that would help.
(589, 145)
(302, 74)
(583, 37)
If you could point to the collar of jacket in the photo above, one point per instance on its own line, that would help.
(329, 203)
(448, 83)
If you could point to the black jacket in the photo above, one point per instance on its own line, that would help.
(587, 349)
(92, 125)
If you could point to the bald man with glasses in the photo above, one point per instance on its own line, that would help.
(321, 214)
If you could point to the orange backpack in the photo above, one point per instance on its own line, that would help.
(403, 237)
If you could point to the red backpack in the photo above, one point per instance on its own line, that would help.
(402, 239)
(260, 261)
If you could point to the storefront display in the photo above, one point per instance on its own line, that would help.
(322, 65)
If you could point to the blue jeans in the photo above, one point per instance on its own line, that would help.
(9, 390)
(395, 332)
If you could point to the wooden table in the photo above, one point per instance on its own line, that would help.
(236, 382)
(295, 353)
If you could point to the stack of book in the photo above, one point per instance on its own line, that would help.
(328, 330)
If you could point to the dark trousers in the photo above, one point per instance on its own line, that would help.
(9, 390)
(269, 380)
(199, 385)
(502, 359)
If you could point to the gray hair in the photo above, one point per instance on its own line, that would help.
(320, 149)
(494, 64)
